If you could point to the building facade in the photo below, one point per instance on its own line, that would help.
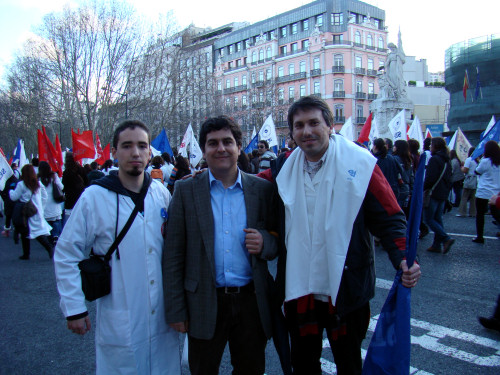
(332, 49)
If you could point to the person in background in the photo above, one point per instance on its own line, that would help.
(35, 162)
(244, 163)
(389, 166)
(15, 170)
(52, 210)
(155, 168)
(470, 186)
(401, 153)
(265, 155)
(388, 143)
(488, 184)
(167, 167)
(180, 170)
(457, 177)
(94, 173)
(29, 188)
(10, 184)
(75, 181)
(254, 160)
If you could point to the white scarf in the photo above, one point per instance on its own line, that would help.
(315, 265)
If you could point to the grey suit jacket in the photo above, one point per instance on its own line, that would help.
(188, 256)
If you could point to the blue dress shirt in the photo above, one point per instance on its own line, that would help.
(232, 260)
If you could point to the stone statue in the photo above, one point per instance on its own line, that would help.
(394, 71)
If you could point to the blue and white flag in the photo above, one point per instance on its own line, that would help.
(19, 155)
(268, 132)
(252, 145)
(5, 171)
(415, 132)
(488, 128)
(492, 135)
(397, 126)
(162, 144)
(389, 350)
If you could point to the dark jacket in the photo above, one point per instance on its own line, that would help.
(391, 170)
(379, 215)
(74, 183)
(432, 173)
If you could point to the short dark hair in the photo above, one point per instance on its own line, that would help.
(129, 124)
(439, 144)
(381, 146)
(388, 142)
(218, 123)
(265, 143)
(307, 103)
(94, 165)
(166, 157)
(427, 143)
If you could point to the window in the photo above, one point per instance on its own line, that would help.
(243, 100)
(370, 64)
(291, 92)
(305, 25)
(283, 31)
(269, 74)
(357, 37)
(369, 40)
(281, 71)
(261, 55)
(359, 111)
(359, 86)
(231, 49)
(247, 43)
(219, 85)
(236, 80)
(244, 80)
(254, 98)
(254, 56)
(305, 44)
(338, 60)
(261, 75)
(380, 42)
(228, 102)
(228, 83)
(381, 63)
(235, 101)
(302, 66)
(371, 88)
(316, 63)
(221, 52)
(291, 69)
(229, 66)
(261, 96)
(337, 19)
(272, 34)
(295, 28)
(295, 47)
(338, 85)
(253, 77)
(359, 62)
(376, 23)
(281, 93)
(302, 90)
(319, 20)
(339, 111)
(269, 53)
(338, 39)
(238, 47)
(317, 87)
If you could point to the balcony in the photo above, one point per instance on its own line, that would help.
(371, 73)
(339, 43)
(372, 96)
(258, 84)
(339, 119)
(291, 52)
(218, 92)
(316, 95)
(370, 47)
(258, 105)
(360, 120)
(315, 72)
(361, 95)
(381, 49)
(231, 90)
(360, 71)
(338, 69)
(281, 101)
(291, 77)
(339, 94)
(360, 45)
(291, 100)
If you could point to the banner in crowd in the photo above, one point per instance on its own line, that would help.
(492, 135)
(365, 131)
(5, 171)
(461, 145)
(268, 133)
(183, 149)
(252, 145)
(83, 145)
(415, 132)
(488, 128)
(397, 126)
(348, 130)
(19, 155)
(162, 144)
(373, 133)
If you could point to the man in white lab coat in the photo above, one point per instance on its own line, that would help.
(132, 336)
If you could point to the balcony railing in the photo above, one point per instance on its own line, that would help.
(291, 77)
(338, 69)
(258, 84)
(218, 92)
(291, 52)
(360, 71)
(258, 105)
(381, 49)
(235, 89)
(360, 120)
(317, 95)
(315, 72)
(370, 47)
(371, 72)
(372, 96)
(361, 95)
(291, 100)
(339, 119)
(339, 94)
(357, 44)
(338, 43)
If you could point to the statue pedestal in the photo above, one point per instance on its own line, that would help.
(385, 109)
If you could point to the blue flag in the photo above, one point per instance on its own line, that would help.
(389, 350)
(252, 145)
(478, 86)
(162, 144)
(492, 135)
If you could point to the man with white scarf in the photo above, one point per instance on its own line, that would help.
(334, 198)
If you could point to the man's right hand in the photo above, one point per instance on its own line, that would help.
(181, 327)
(79, 326)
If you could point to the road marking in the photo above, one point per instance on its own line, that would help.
(430, 340)
(468, 235)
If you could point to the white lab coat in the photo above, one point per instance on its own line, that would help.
(38, 226)
(52, 209)
(132, 336)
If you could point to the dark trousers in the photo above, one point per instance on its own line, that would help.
(346, 349)
(482, 209)
(238, 322)
(43, 240)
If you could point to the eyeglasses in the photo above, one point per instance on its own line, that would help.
(262, 146)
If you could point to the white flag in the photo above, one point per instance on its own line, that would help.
(397, 126)
(195, 153)
(490, 125)
(415, 132)
(451, 145)
(188, 135)
(348, 130)
(5, 171)
(268, 132)
(373, 133)
(254, 133)
(462, 145)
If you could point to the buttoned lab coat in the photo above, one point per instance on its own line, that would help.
(132, 336)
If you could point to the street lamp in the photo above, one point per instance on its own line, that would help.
(125, 94)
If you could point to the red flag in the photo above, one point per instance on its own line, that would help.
(365, 131)
(3, 153)
(428, 133)
(83, 145)
(43, 152)
(106, 153)
(51, 154)
(466, 85)
(98, 149)
(59, 156)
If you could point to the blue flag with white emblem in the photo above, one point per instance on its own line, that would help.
(492, 135)
(162, 144)
(389, 350)
(252, 145)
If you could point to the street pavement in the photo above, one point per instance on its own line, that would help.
(446, 337)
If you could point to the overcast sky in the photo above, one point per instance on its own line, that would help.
(428, 27)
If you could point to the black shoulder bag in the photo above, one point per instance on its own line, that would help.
(96, 271)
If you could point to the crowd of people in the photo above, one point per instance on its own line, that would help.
(194, 259)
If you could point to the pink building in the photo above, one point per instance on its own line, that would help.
(332, 49)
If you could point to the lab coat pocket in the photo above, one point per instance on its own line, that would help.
(114, 327)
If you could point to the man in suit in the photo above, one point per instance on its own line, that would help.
(219, 239)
